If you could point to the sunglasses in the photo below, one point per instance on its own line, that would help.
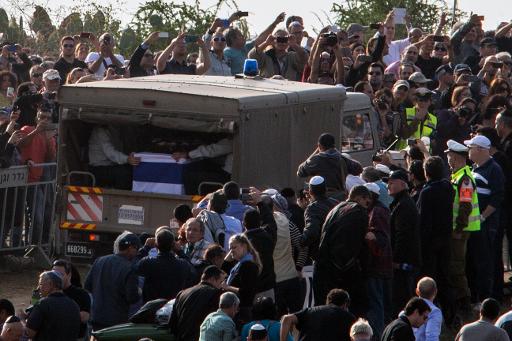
(375, 73)
(219, 39)
(441, 49)
(282, 39)
(68, 46)
(36, 75)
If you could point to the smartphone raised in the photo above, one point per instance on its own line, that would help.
(163, 34)
(374, 26)
(85, 35)
(225, 23)
(365, 59)
(11, 48)
(189, 38)
(243, 14)
(438, 39)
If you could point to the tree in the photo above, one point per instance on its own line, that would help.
(173, 17)
(424, 14)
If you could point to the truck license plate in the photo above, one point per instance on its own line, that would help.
(76, 249)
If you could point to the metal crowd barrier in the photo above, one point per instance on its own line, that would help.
(27, 207)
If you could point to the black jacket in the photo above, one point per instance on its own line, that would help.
(343, 237)
(6, 150)
(506, 147)
(398, 330)
(405, 231)
(191, 308)
(264, 242)
(332, 166)
(314, 216)
(134, 66)
(245, 280)
(435, 206)
(164, 276)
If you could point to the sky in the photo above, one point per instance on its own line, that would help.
(263, 12)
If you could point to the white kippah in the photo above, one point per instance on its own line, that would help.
(257, 326)
(316, 180)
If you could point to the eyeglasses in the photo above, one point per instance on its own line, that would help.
(68, 46)
(219, 39)
(36, 75)
(375, 73)
(282, 40)
(439, 48)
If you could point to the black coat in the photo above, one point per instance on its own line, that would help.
(134, 66)
(191, 308)
(314, 217)
(435, 206)
(245, 280)
(262, 242)
(343, 237)
(405, 231)
(398, 330)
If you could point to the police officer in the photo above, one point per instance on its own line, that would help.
(489, 181)
(466, 219)
(418, 121)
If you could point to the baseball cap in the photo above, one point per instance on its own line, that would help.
(130, 239)
(478, 141)
(399, 174)
(456, 147)
(51, 74)
(443, 69)
(382, 168)
(461, 67)
(423, 92)
(418, 77)
(401, 83)
(353, 28)
(488, 41)
(372, 187)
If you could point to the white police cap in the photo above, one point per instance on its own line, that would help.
(456, 147)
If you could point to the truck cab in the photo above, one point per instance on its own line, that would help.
(273, 126)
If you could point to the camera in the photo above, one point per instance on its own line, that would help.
(381, 104)
(331, 38)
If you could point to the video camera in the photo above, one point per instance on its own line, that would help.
(331, 38)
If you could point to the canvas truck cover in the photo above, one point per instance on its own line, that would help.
(196, 103)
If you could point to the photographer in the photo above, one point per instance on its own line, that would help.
(142, 61)
(98, 62)
(358, 70)
(389, 121)
(177, 49)
(324, 68)
(454, 124)
(278, 60)
(27, 103)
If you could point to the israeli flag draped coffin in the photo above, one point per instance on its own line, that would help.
(158, 173)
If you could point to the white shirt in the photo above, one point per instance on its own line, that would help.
(103, 150)
(396, 47)
(94, 56)
(220, 148)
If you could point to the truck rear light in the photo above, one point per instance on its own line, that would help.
(94, 237)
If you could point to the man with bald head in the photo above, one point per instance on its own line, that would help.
(426, 289)
(98, 62)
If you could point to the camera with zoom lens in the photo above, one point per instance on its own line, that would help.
(463, 112)
(331, 38)
(381, 104)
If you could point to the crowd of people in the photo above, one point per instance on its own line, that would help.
(397, 250)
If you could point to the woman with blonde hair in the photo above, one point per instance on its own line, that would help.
(81, 51)
(244, 274)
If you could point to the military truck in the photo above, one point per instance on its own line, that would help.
(273, 126)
